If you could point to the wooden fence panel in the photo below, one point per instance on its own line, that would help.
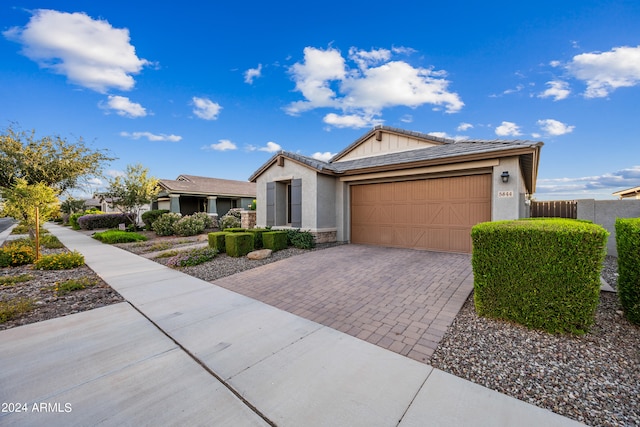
(554, 209)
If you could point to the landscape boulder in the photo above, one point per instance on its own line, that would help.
(260, 254)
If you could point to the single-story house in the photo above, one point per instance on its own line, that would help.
(394, 187)
(188, 194)
(629, 193)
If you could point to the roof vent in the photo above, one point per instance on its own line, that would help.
(378, 135)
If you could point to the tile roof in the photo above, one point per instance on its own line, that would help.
(446, 151)
(191, 184)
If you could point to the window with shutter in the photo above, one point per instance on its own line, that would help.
(296, 203)
(271, 203)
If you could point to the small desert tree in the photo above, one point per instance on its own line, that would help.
(50, 160)
(31, 204)
(129, 192)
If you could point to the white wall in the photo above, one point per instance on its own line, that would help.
(507, 199)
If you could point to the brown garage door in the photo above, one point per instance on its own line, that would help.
(434, 214)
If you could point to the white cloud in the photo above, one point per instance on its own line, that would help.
(361, 92)
(604, 72)
(205, 108)
(557, 90)
(407, 118)
(508, 129)
(440, 135)
(89, 52)
(271, 147)
(590, 186)
(554, 127)
(151, 136)
(447, 136)
(464, 126)
(252, 73)
(353, 121)
(517, 89)
(124, 107)
(222, 145)
(325, 157)
(366, 59)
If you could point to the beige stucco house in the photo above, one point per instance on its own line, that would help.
(398, 188)
(188, 194)
(629, 193)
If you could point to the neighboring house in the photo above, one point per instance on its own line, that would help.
(629, 193)
(188, 194)
(105, 204)
(394, 187)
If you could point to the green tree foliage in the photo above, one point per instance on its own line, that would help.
(50, 160)
(22, 198)
(130, 192)
(71, 205)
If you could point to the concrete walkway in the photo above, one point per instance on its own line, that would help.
(182, 351)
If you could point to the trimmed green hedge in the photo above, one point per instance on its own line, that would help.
(238, 244)
(544, 274)
(235, 230)
(274, 240)
(628, 245)
(257, 236)
(217, 240)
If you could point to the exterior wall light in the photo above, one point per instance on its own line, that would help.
(505, 177)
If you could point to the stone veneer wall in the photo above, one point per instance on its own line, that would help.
(248, 219)
(325, 236)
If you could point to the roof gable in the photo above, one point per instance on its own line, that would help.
(383, 140)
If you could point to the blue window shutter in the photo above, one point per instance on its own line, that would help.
(271, 203)
(296, 203)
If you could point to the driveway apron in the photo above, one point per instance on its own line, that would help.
(400, 299)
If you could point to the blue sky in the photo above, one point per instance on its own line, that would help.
(212, 89)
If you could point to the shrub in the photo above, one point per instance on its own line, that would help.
(235, 230)
(73, 220)
(50, 241)
(163, 226)
(231, 219)
(20, 229)
(71, 285)
(101, 221)
(12, 280)
(238, 244)
(300, 239)
(190, 225)
(117, 236)
(149, 217)
(217, 241)
(192, 257)
(168, 254)
(17, 252)
(274, 240)
(628, 245)
(14, 308)
(61, 261)
(257, 237)
(208, 220)
(543, 274)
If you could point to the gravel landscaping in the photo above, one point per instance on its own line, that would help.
(593, 378)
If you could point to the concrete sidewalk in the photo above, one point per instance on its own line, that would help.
(183, 351)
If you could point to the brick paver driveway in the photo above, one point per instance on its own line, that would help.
(399, 299)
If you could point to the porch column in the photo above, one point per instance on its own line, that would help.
(174, 204)
(212, 205)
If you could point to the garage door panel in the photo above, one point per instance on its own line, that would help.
(434, 214)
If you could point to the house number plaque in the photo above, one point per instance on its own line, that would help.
(505, 194)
